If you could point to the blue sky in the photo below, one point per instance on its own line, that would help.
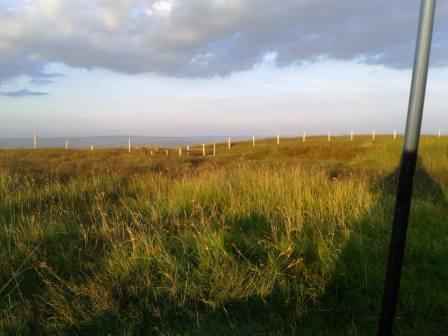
(215, 67)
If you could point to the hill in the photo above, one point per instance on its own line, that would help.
(268, 239)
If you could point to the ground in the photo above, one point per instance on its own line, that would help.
(265, 240)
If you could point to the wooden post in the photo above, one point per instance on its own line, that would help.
(203, 149)
(373, 135)
(167, 152)
(152, 153)
(395, 134)
(351, 135)
(180, 151)
(34, 140)
(304, 137)
(66, 144)
(91, 148)
(129, 145)
(329, 136)
(253, 140)
(214, 148)
(188, 151)
(278, 139)
(440, 133)
(229, 144)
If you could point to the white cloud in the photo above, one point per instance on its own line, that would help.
(163, 8)
(164, 36)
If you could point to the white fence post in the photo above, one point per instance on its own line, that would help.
(229, 144)
(66, 144)
(253, 140)
(214, 148)
(167, 152)
(129, 145)
(373, 135)
(34, 140)
(152, 153)
(395, 134)
(203, 149)
(351, 135)
(278, 139)
(304, 137)
(440, 133)
(180, 151)
(91, 148)
(329, 136)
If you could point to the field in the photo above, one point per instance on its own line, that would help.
(286, 239)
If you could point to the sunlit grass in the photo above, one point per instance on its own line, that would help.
(288, 239)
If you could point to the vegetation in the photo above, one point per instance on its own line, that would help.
(265, 240)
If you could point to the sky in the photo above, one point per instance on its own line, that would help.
(214, 67)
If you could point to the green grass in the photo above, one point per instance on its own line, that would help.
(265, 240)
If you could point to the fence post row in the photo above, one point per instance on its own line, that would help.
(229, 145)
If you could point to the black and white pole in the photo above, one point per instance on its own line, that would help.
(407, 168)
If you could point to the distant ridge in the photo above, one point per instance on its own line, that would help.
(111, 141)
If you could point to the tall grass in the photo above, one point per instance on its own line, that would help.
(251, 249)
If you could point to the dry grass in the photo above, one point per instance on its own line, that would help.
(288, 239)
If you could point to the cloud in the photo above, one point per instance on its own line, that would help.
(23, 93)
(200, 38)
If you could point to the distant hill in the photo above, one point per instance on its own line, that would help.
(110, 141)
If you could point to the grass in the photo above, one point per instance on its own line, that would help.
(265, 240)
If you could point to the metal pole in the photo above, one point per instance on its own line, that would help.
(407, 168)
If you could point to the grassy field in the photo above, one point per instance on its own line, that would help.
(265, 240)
